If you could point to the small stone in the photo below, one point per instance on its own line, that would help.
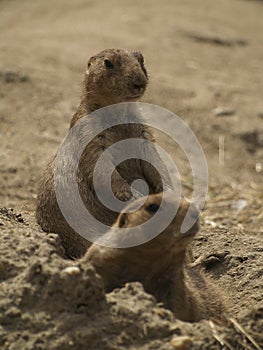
(181, 342)
(210, 222)
(71, 270)
(19, 218)
(223, 111)
(239, 204)
(258, 167)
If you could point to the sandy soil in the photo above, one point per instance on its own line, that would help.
(203, 58)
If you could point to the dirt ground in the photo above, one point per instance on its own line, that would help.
(205, 61)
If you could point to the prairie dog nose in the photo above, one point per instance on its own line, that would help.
(138, 85)
(138, 88)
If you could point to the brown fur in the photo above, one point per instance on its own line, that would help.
(160, 265)
(125, 79)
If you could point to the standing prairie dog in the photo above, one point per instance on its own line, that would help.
(112, 76)
(160, 264)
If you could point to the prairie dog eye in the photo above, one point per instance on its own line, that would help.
(89, 64)
(108, 64)
(152, 208)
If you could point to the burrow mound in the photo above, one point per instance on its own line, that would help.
(48, 302)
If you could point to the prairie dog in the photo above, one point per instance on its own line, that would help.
(161, 264)
(112, 76)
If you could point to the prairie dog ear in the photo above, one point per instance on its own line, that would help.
(90, 61)
(121, 220)
(139, 56)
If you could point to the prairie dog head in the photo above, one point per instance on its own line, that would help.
(118, 266)
(157, 222)
(115, 75)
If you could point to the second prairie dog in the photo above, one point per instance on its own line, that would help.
(112, 76)
(160, 264)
